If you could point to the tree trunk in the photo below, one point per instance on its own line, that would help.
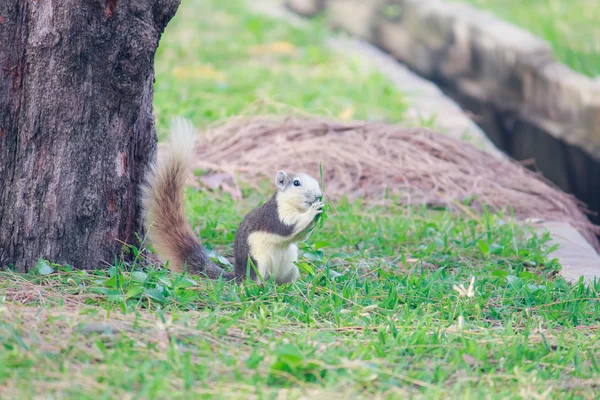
(76, 126)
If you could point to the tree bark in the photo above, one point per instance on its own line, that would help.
(76, 126)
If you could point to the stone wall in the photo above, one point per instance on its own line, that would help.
(530, 105)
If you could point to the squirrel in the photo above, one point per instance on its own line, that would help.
(266, 237)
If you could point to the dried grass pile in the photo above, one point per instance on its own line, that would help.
(367, 159)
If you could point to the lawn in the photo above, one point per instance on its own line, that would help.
(394, 301)
(570, 26)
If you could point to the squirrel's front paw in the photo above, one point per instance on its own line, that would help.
(317, 207)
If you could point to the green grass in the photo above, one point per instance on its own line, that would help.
(382, 309)
(570, 26)
(375, 315)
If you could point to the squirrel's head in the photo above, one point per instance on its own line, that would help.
(297, 189)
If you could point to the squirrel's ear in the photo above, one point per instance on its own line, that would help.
(280, 179)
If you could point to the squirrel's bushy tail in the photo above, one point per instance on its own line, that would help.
(163, 207)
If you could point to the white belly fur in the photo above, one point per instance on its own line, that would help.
(274, 255)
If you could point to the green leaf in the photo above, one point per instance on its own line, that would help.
(321, 244)
(155, 294)
(100, 290)
(186, 282)
(333, 273)
(43, 268)
(305, 268)
(114, 282)
(139, 276)
(134, 292)
(525, 275)
(314, 257)
(219, 258)
(165, 281)
(514, 281)
(500, 273)
(483, 246)
(224, 261)
(535, 288)
(289, 354)
(187, 296)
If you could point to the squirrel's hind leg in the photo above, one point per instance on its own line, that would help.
(289, 271)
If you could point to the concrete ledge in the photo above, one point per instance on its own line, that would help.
(357, 17)
(577, 258)
(307, 8)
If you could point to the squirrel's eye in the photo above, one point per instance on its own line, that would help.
(296, 182)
